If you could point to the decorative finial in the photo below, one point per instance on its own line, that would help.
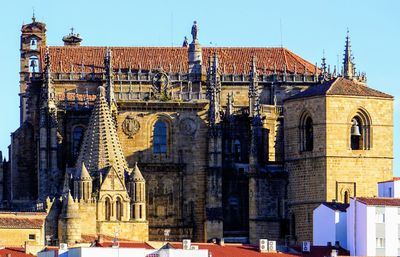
(348, 64)
(33, 15)
(72, 30)
(194, 31)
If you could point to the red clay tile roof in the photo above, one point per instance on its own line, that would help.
(7, 222)
(384, 201)
(321, 251)
(71, 58)
(14, 252)
(391, 180)
(234, 250)
(340, 86)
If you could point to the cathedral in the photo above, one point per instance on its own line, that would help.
(189, 142)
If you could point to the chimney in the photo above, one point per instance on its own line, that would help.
(222, 242)
(329, 244)
(100, 239)
(8, 255)
(337, 244)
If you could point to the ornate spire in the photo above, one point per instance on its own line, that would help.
(214, 89)
(84, 173)
(100, 146)
(348, 64)
(229, 105)
(108, 64)
(254, 94)
(136, 175)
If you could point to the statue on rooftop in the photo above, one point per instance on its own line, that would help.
(194, 31)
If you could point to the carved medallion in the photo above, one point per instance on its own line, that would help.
(160, 83)
(130, 126)
(188, 126)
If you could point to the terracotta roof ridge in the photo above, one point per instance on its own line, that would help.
(117, 47)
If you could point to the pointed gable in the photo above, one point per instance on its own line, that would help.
(101, 147)
(112, 182)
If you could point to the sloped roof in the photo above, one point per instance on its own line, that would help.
(340, 86)
(381, 201)
(67, 59)
(100, 146)
(136, 174)
(336, 206)
(14, 252)
(9, 222)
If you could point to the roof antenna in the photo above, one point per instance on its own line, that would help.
(280, 27)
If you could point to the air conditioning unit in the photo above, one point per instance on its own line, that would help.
(186, 244)
(263, 245)
(63, 246)
(271, 246)
(306, 247)
(194, 247)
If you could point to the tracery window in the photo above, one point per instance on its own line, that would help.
(306, 133)
(360, 131)
(160, 137)
(77, 136)
(107, 209)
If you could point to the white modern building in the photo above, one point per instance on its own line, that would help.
(373, 226)
(390, 188)
(330, 224)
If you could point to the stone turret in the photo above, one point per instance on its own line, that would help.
(137, 191)
(83, 184)
(72, 39)
(69, 227)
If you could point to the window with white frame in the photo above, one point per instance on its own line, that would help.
(380, 242)
(379, 214)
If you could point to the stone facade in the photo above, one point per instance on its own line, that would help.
(216, 143)
(332, 170)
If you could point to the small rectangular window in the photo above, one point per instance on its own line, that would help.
(32, 236)
(380, 242)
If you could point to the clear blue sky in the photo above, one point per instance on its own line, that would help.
(308, 28)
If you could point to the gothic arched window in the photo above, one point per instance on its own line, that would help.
(77, 136)
(33, 64)
(306, 133)
(118, 209)
(360, 131)
(237, 150)
(346, 197)
(160, 137)
(107, 209)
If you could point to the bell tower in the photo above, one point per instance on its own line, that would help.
(33, 38)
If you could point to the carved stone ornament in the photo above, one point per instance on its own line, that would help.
(130, 126)
(188, 126)
(160, 83)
